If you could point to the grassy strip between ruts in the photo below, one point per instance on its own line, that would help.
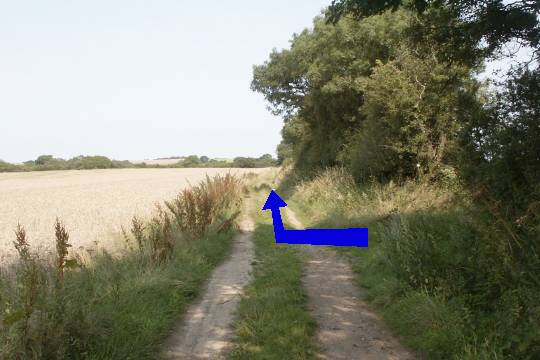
(272, 319)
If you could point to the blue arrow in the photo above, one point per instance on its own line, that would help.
(274, 203)
(335, 237)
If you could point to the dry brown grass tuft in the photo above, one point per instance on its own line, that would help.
(196, 208)
(62, 247)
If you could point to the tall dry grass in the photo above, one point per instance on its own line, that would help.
(334, 190)
(197, 208)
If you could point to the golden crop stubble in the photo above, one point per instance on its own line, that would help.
(93, 204)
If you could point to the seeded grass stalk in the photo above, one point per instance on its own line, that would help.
(113, 307)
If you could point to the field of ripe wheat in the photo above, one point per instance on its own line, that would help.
(93, 204)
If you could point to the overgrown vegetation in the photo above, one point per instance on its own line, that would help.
(104, 306)
(272, 319)
(443, 273)
(444, 167)
(48, 162)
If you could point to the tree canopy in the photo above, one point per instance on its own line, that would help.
(389, 90)
(466, 29)
(361, 94)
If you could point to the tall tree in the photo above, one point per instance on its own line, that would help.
(360, 93)
(316, 84)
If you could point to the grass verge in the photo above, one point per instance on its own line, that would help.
(132, 307)
(445, 275)
(272, 319)
(117, 307)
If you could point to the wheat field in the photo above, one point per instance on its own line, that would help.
(93, 204)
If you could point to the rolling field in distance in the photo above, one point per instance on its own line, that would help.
(93, 204)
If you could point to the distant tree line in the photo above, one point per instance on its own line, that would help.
(48, 162)
(194, 161)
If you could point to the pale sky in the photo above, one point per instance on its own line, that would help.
(140, 79)
(134, 79)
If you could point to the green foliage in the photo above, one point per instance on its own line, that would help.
(43, 159)
(293, 133)
(372, 100)
(464, 30)
(7, 167)
(191, 161)
(317, 84)
(502, 147)
(90, 162)
(48, 162)
(204, 159)
(265, 160)
(410, 125)
(498, 129)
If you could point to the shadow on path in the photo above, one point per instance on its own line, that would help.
(347, 328)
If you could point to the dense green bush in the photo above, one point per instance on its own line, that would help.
(90, 162)
(461, 255)
(410, 125)
(265, 160)
(318, 86)
(373, 100)
(502, 147)
(43, 159)
(7, 167)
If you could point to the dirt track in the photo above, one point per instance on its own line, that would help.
(205, 332)
(347, 328)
